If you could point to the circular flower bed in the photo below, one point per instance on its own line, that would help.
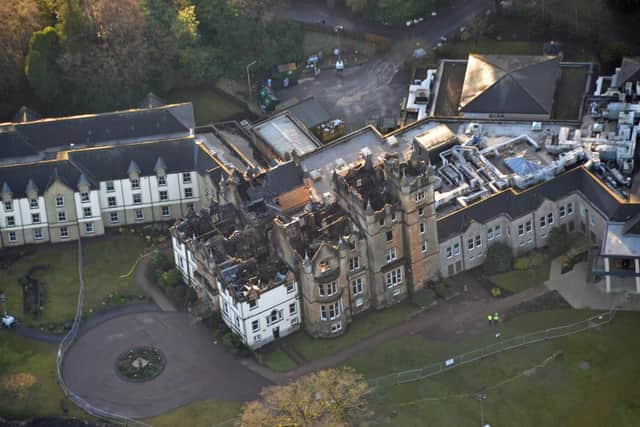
(140, 364)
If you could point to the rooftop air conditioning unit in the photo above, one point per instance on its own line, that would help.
(392, 141)
(536, 126)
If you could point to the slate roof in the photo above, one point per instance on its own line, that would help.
(18, 139)
(278, 180)
(309, 112)
(509, 84)
(516, 205)
(105, 163)
(629, 70)
(43, 174)
(26, 114)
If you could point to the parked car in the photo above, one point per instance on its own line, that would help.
(9, 321)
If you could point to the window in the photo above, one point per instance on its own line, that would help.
(253, 304)
(86, 212)
(166, 211)
(528, 226)
(478, 241)
(381, 221)
(562, 211)
(12, 236)
(255, 325)
(543, 221)
(470, 244)
(162, 180)
(424, 247)
(449, 253)
(33, 203)
(290, 287)
(135, 183)
(520, 229)
(456, 249)
(569, 208)
(274, 317)
(111, 201)
(164, 195)
(336, 327)
(324, 266)
(8, 206)
(330, 289)
(137, 198)
(37, 234)
(490, 233)
(422, 228)
(257, 338)
(89, 227)
(419, 197)
(188, 192)
(59, 201)
(394, 277)
(498, 231)
(11, 221)
(62, 216)
(114, 217)
(354, 263)
(292, 308)
(225, 307)
(550, 218)
(330, 311)
(64, 232)
(294, 321)
(391, 254)
(84, 197)
(35, 218)
(389, 236)
(357, 286)
(592, 221)
(139, 215)
(186, 177)
(110, 186)
(421, 212)
(237, 321)
(394, 217)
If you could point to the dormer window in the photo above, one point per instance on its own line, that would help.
(186, 177)
(162, 180)
(8, 206)
(420, 197)
(84, 197)
(135, 183)
(33, 203)
(59, 201)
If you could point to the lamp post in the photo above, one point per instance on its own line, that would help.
(337, 29)
(249, 77)
(481, 398)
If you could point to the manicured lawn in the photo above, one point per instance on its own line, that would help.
(28, 385)
(105, 259)
(209, 105)
(277, 360)
(325, 42)
(204, 413)
(593, 382)
(360, 328)
(529, 271)
(461, 49)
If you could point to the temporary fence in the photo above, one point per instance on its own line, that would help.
(498, 347)
(66, 342)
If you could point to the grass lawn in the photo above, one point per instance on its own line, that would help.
(209, 105)
(28, 385)
(461, 49)
(325, 42)
(529, 271)
(277, 360)
(593, 383)
(362, 327)
(203, 413)
(105, 259)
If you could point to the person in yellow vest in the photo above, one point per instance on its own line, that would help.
(496, 318)
(490, 317)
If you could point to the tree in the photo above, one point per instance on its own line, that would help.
(333, 397)
(40, 66)
(625, 5)
(499, 259)
(357, 6)
(19, 18)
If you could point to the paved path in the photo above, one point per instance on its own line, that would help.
(152, 289)
(462, 316)
(196, 368)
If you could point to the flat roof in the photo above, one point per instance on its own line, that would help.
(284, 136)
(616, 243)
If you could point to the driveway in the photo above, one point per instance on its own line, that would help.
(196, 368)
(364, 93)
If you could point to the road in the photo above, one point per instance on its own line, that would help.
(375, 89)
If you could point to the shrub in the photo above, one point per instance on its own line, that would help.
(499, 259)
(158, 264)
(171, 278)
(521, 263)
(559, 242)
